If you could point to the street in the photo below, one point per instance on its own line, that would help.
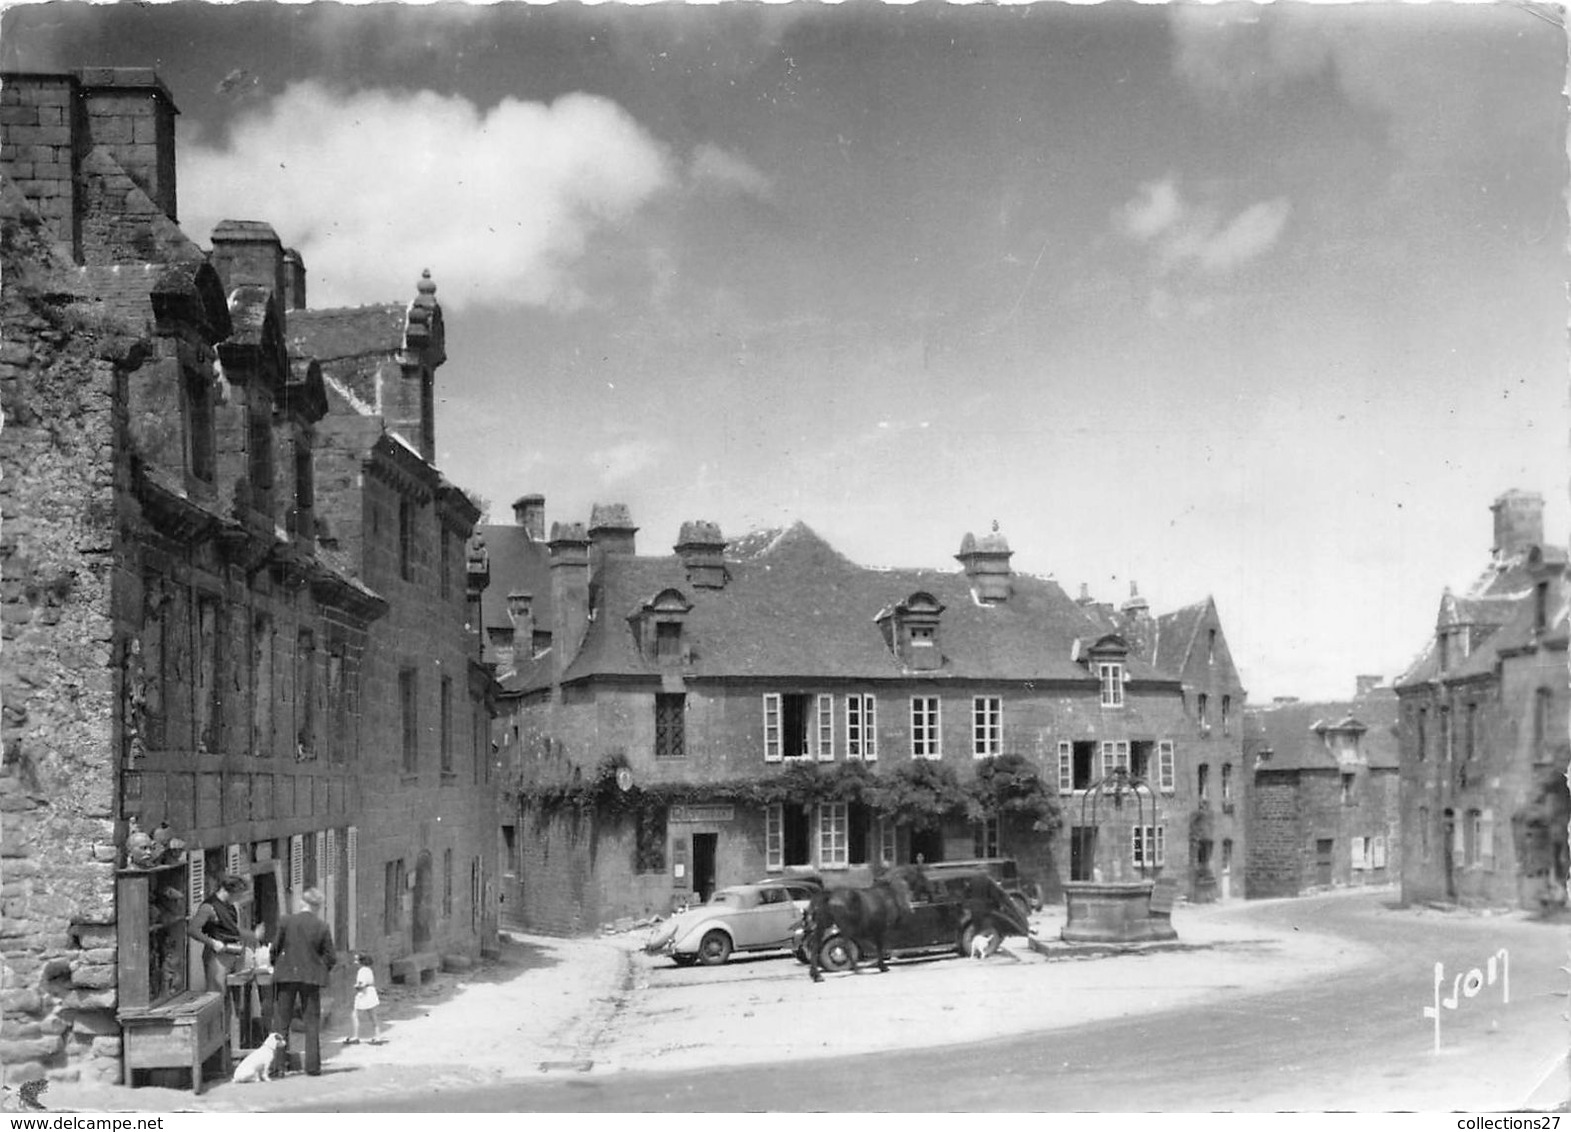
(1348, 1035)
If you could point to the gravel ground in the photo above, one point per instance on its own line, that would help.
(552, 1007)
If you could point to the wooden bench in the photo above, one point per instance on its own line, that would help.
(421, 967)
(179, 1034)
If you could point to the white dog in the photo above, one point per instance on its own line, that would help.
(258, 1064)
(981, 945)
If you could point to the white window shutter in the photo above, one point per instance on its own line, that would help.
(1357, 844)
(771, 727)
(198, 879)
(232, 860)
(1161, 846)
(826, 728)
(870, 728)
(1121, 755)
(1066, 767)
(352, 889)
(1486, 839)
(330, 854)
(1166, 772)
(1379, 860)
(774, 838)
(296, 863)
(351, 847)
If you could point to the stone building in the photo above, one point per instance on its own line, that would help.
(678, 722)
(201, 626)
(1484, 740)
(1324, 810)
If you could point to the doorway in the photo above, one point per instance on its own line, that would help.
(1082, 852)
(1325, 851)
(422, 919)
(1448, 853)
(927, 846)
(705, 846)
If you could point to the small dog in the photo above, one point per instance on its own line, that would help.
(258, 1064)
(981, 945)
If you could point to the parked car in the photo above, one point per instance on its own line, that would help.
(1002, 869)
(959, 904)
(742, 917)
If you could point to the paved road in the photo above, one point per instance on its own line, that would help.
(1357, 1041)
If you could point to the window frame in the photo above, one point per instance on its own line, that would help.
(1167, 766)
(1110, 679)
(927, 715)
(987, 727)
(862, 726)
(823, 729)
(670, 725)
(833, 835)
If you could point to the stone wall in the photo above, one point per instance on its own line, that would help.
(58, 371)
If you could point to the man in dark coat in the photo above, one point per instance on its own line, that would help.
(302, 959)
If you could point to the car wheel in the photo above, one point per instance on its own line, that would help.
(838, 954)
(801, 955)
(685, 960)
(714, 949)
(973, 929)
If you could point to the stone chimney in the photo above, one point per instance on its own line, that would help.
(1136, 607)
(529, 513)
(1367, 684)
(569, 548)
(1085, 595)
(702, 550)
(294, 281)
(51, 122)
(1519, 522)
(986, 563)
(611, 531)
(249, 252)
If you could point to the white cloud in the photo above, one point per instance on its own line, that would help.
(715, 166)
(1183, 236)
(373, 187)
(1152, 211)
(629, 458)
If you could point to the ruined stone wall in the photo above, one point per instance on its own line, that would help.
(58, 510)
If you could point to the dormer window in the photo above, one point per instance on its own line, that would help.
(659, 628)
(1105, 660)
(910, 630)
(1111, 677)
(668, 640)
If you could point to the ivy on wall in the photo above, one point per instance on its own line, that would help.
(921, 793)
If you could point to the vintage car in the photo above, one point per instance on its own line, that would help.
(1027, 895)
(956, 906)
(743, 917)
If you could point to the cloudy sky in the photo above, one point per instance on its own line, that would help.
(1266, 303)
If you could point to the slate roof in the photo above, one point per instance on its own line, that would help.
(1175, 635)
(348, 332)
(518, 563)
(1287, 730)
(1500, 606)
(794, 607)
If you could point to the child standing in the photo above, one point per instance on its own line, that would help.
(366, 1002)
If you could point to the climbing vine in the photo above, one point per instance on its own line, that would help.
(922, 793)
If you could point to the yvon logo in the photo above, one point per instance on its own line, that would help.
(1468, 986)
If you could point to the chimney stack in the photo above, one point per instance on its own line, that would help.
(702, 550)
(128, 112)
(249, 252)
(986, 563)
(529, 513)
(1519, 523)
(520, 611)
(611, 531)
(294, 281)
(569, 548)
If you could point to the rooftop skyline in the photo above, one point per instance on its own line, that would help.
(1262, 303)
